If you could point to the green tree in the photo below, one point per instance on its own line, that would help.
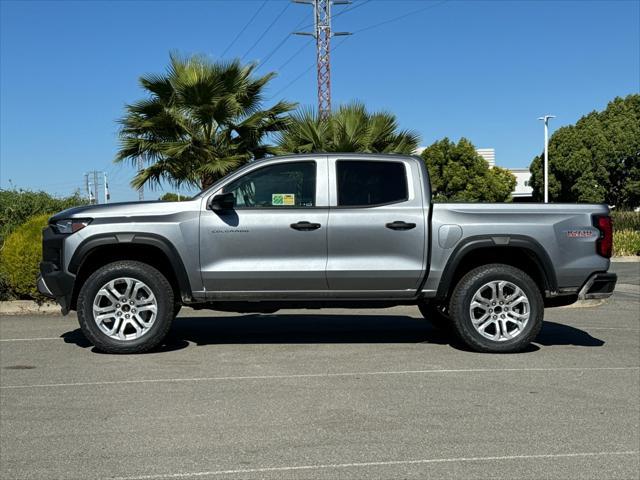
(201, 119)
(349, 129)
(459, 174)
(595, 160)
(173, 197)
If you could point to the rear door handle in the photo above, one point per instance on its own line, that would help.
(305, 226)
(400, 225)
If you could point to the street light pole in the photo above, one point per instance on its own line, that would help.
(546, 155)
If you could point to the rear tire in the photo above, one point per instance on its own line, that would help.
(496, 308)
(126, 307)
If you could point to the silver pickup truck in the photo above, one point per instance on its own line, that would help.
(325, 230)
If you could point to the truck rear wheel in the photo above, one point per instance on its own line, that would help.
(496, 308)
(126, 307)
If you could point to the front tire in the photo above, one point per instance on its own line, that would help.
(496, 308)
(126, 307)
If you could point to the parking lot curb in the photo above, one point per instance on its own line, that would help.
(26, 307)
(627, 259)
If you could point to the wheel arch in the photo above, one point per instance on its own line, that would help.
(519, 251)
(152, 249)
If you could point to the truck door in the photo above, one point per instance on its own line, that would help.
(376, 230)
(275, 238)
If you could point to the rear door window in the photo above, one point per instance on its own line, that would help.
(370, 183)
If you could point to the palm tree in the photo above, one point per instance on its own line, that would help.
(349, 129)
(201, 120)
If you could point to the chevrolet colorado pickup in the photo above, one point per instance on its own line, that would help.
(325, 230)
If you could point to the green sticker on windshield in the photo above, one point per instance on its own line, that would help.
(283, 199)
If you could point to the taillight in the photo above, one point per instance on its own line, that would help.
(604, 244)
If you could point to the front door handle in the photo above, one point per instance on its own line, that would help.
(305, 226)
(400, 225)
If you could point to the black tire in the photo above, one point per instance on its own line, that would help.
(156, 282)
(435, 314)
(460, 302)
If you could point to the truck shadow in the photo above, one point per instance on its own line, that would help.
(318, 329)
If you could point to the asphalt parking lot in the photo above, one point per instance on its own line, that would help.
(328, 394)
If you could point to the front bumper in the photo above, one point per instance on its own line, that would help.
(599, 285)
(56, 284)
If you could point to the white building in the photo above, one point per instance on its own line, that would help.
(489, 154)
(523, 191)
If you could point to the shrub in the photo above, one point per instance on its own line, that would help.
(20, 257)
(626, 220)
(626, 242)
(17, 206)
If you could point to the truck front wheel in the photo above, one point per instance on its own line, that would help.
(126, 307)
(496, 308)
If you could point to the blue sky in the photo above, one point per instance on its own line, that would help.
(484, 70)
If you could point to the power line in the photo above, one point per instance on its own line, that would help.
(305, 45)
(279, 45)
(400, 17)
(342, 12)
(273, 22)
(244, 28)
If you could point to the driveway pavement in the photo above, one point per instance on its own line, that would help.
(324, 394)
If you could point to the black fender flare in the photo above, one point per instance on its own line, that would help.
(536, 251)
(134, 238)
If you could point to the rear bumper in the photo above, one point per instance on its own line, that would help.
(599, 285)
(56, 284)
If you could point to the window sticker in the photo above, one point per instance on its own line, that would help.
(283, 199)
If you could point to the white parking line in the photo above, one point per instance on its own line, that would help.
(374, 464)
(321, 375)
(29, 339)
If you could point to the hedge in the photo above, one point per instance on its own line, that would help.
(17, 206)
(20, 258)
(626, 220)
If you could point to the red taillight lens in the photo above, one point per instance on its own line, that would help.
(604, 245)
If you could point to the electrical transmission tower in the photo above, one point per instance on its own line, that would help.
(92, 184)
(323, 34)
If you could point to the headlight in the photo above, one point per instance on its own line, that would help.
(71, 225)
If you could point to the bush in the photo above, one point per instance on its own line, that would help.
(626, 242)
(17, 206)
(20, 257)
(626, 220)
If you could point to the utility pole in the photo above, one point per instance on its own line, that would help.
(107, 195)
(95, 185)
(323, 34)
(546, 119)
(86, 186)
(141, 189)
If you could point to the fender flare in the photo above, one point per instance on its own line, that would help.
(536, 251)
(134, 238)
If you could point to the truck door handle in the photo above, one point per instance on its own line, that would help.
(305, 226)
(400, 225)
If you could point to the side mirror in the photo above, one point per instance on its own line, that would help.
(222, 202)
